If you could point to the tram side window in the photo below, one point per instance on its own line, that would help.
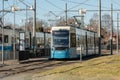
(5, 38)
(0, 39)
(73, 40)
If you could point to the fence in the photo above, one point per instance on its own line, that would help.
(8, 55)
(23, 55)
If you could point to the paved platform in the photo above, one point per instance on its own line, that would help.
(16, 62)
(8, 63)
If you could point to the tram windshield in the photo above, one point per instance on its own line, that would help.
(61, 38)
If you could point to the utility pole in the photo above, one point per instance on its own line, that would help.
(117, 33)
(111, 32)
(99, 28)
(26, 20)
(26, 27)
(14, 37)
(34, 27)
(3, 33)
(66, 14)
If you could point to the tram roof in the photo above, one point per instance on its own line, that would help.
(69, 28)
(59, 27)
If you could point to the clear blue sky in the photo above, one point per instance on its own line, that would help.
(58, 7)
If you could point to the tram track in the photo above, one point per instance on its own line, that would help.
(42, 66)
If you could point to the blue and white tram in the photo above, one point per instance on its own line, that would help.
(60, 42)
(7, 39)
(67, 41)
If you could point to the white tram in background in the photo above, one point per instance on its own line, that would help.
(8, 39)
(9, 36)
(42, 40)
(69, 41)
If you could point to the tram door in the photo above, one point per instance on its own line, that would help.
(73, 52)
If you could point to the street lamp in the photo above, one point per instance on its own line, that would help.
(14, 9)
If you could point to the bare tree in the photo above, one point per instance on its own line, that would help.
(94, 21)
(105, 21)
(39, 24)
(104, 28)
(62, 22)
